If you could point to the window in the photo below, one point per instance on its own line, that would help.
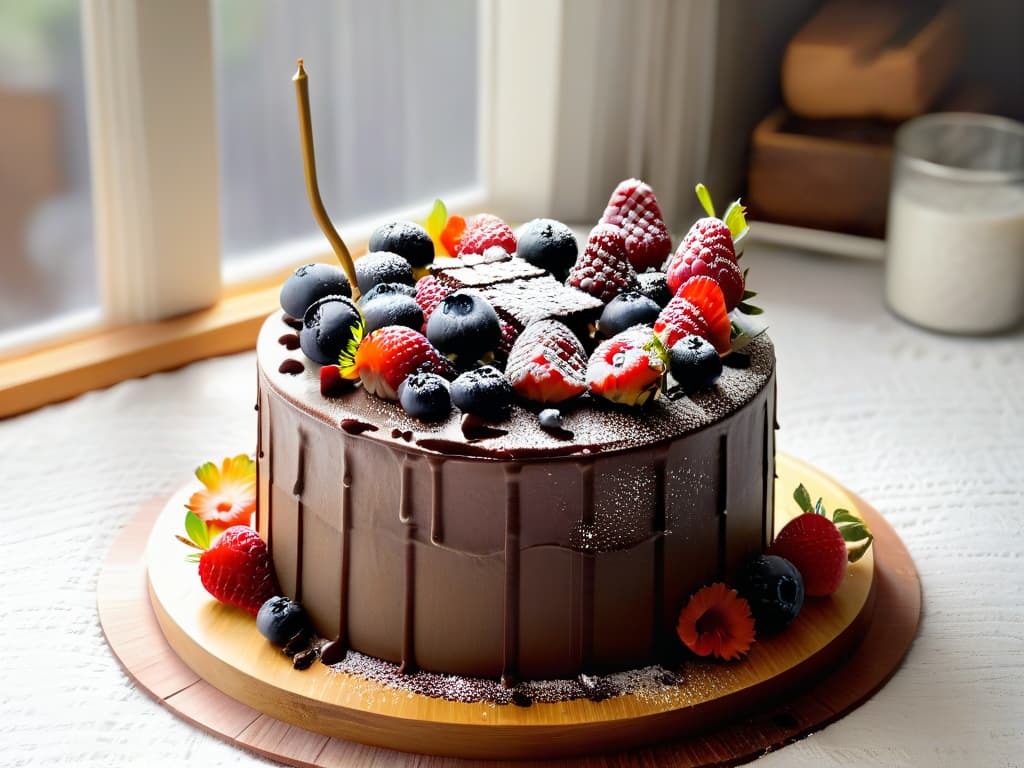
(47, 259)
(394, 94)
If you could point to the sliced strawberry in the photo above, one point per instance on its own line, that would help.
(603, 269)
(635, 209)
(815, 546)
(452, 234)
(236, 569)
(388, 355)
(429, 293)
(547, 363)
(627, 368)
(483, 232)
(698, 308)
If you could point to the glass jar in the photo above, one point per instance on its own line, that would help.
(955, 236)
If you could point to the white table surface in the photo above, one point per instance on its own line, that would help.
(929, 429)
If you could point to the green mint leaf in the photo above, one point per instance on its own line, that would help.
(705, 199)
(803, 498)
(197, 530)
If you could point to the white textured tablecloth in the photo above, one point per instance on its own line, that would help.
(929, 429)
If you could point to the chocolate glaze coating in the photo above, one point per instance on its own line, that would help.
(522, 555)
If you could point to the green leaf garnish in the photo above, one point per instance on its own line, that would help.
(705, 199)
(197, 530)
(854, 530)
(735, 219)
(819, 508)
(803, 498)
(749, 309)
(748, 294)
(347, 357)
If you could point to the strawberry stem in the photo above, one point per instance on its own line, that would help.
(705, 200)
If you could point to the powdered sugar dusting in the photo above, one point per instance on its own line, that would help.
(650, 684)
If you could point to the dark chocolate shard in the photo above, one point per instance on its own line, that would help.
(304, 659)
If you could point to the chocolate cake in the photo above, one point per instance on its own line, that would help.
(523, 554)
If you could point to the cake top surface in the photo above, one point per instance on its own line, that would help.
(589, 426)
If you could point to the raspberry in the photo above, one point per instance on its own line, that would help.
(429, 293)
(635, 209)
(483, 232)
(603, 269)
(713, 234)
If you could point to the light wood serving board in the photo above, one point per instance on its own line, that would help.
(187, 646)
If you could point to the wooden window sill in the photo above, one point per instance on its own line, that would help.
(114, 353)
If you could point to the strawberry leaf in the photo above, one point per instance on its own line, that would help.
(193, 558)
(819, 508)
(803, 498)
(746, 293)
(705, 200)
(197, 530)
(736, 220)
(853, 530)
(749, 309)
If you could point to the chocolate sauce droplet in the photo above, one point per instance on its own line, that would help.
(356, 427)
(475, 428)
(333, 652)
(292, 322)
(293, 367)
(289, 341)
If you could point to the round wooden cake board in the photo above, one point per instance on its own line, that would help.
(208, 664)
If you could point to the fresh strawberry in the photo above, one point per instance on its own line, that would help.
(429, 293)
(603, 269)
(388, 355)
(483, 232)
(236, 569)
(634, 208)
(547, 363)
(693, 259)
(713, 234)
(628, 368)
(815, 546)
(698, 308)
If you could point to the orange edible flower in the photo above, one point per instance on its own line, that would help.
(717, 622)
(229, 497)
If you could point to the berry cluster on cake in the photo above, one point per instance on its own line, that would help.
(502, 456)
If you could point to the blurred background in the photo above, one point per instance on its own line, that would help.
(792, 104)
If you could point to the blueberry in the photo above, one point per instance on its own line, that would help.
(310, 283)
(387, 288)
(425, 396)
(328, 327)
(547, 244)
(694, 363)
(483, 392)
(464, 324)
(391, 309)
(626, 310)
(408, 240)
(382, 267)
(775, 590)
(280, 619)
(550, 418)
(654, 285)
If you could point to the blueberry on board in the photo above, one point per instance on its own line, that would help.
(382, 267)
(464, 324)
(280, 619)
(626, 310)
(391, 309)
(654, 285)
(425, 396)
(547, 244)
(694, 363)
(328, 327)
(407, 239)
(483, 392)
(310, 283)
(774, 589)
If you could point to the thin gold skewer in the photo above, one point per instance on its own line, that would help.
(312, 189)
